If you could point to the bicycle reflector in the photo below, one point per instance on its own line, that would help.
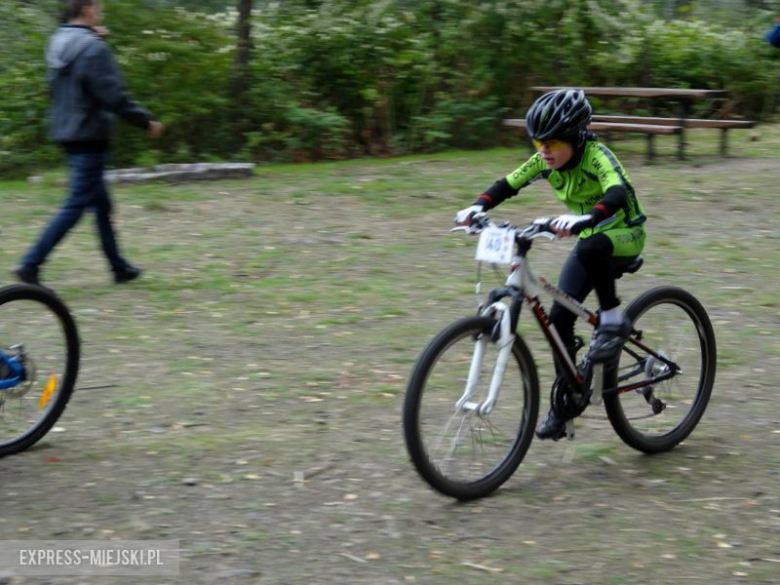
(51, 386)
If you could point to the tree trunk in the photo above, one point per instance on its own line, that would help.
(243, 48)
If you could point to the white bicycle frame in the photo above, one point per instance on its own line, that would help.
(529, 286)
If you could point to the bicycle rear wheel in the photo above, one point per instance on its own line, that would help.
(459, 452)
(674, 324)
(38, 366)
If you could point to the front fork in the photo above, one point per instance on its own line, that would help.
(503, 334)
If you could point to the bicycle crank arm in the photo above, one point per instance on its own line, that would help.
(597, 394)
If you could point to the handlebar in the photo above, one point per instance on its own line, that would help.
(539, 228)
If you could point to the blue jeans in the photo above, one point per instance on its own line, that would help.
(87, 191)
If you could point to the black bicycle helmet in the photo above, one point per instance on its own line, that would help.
(563, 114)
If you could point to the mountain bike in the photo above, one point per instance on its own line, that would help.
(472, 400)
(39, 362)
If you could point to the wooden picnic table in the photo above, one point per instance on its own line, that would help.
(644, 92)
(684, 96)
(649, 125)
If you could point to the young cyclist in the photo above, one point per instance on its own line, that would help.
(603, 209)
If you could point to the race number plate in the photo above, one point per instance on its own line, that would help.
(496, 245)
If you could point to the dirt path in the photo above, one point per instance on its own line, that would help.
(244, 398)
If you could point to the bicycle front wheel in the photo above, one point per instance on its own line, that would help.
(673, 324)
(39, 359)
(459, 451)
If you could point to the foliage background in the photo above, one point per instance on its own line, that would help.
(341, 78)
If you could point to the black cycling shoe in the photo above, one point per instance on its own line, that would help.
(127, 274)
(27, 274)
(552, 427)
(609, 341)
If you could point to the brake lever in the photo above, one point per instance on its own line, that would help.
(543, 224)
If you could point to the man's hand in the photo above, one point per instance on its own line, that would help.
(155, 129)
(463, 217)
(101, 31)
(570, 224)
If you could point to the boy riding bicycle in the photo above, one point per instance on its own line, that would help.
(603, 210)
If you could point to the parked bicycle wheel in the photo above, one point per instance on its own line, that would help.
(39, 359)
(460, 452)
(675, 325)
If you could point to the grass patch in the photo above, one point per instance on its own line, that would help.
(274, 335)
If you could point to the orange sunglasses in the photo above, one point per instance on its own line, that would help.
(551, 144)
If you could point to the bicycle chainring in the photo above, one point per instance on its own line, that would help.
(567, 402)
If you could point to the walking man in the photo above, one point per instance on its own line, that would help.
(87, 90)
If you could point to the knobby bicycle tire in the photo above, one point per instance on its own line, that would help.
(521, 360)
(695, 312)
(67, 380)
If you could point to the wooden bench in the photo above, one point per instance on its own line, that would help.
(649, 130)
(652, 126)
(723, 125)
(649, 125)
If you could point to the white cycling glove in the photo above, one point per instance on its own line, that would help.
(465, 214)
(571, 222)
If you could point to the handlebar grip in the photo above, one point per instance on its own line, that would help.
(480, 220)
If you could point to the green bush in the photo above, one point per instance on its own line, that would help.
(337, 78)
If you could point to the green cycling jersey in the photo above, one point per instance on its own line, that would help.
(585, 185)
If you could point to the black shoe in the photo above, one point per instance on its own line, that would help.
(553, 427)
(609, 341)
(27, 274)
(127, 274)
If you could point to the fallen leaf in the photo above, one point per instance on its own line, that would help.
(482, 567)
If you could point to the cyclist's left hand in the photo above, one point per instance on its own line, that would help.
(570, 224)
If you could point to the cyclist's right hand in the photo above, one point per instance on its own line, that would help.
(463, 217)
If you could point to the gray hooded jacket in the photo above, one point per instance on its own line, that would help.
(86, 87)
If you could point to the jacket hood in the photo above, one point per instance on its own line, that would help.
(67, 43)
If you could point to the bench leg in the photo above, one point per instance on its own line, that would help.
(724, 145)
(685, 108)
(681, 145)
(650, 149)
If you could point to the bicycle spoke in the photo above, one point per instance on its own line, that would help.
(39, 356)
(466, 446)
(676, 328)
